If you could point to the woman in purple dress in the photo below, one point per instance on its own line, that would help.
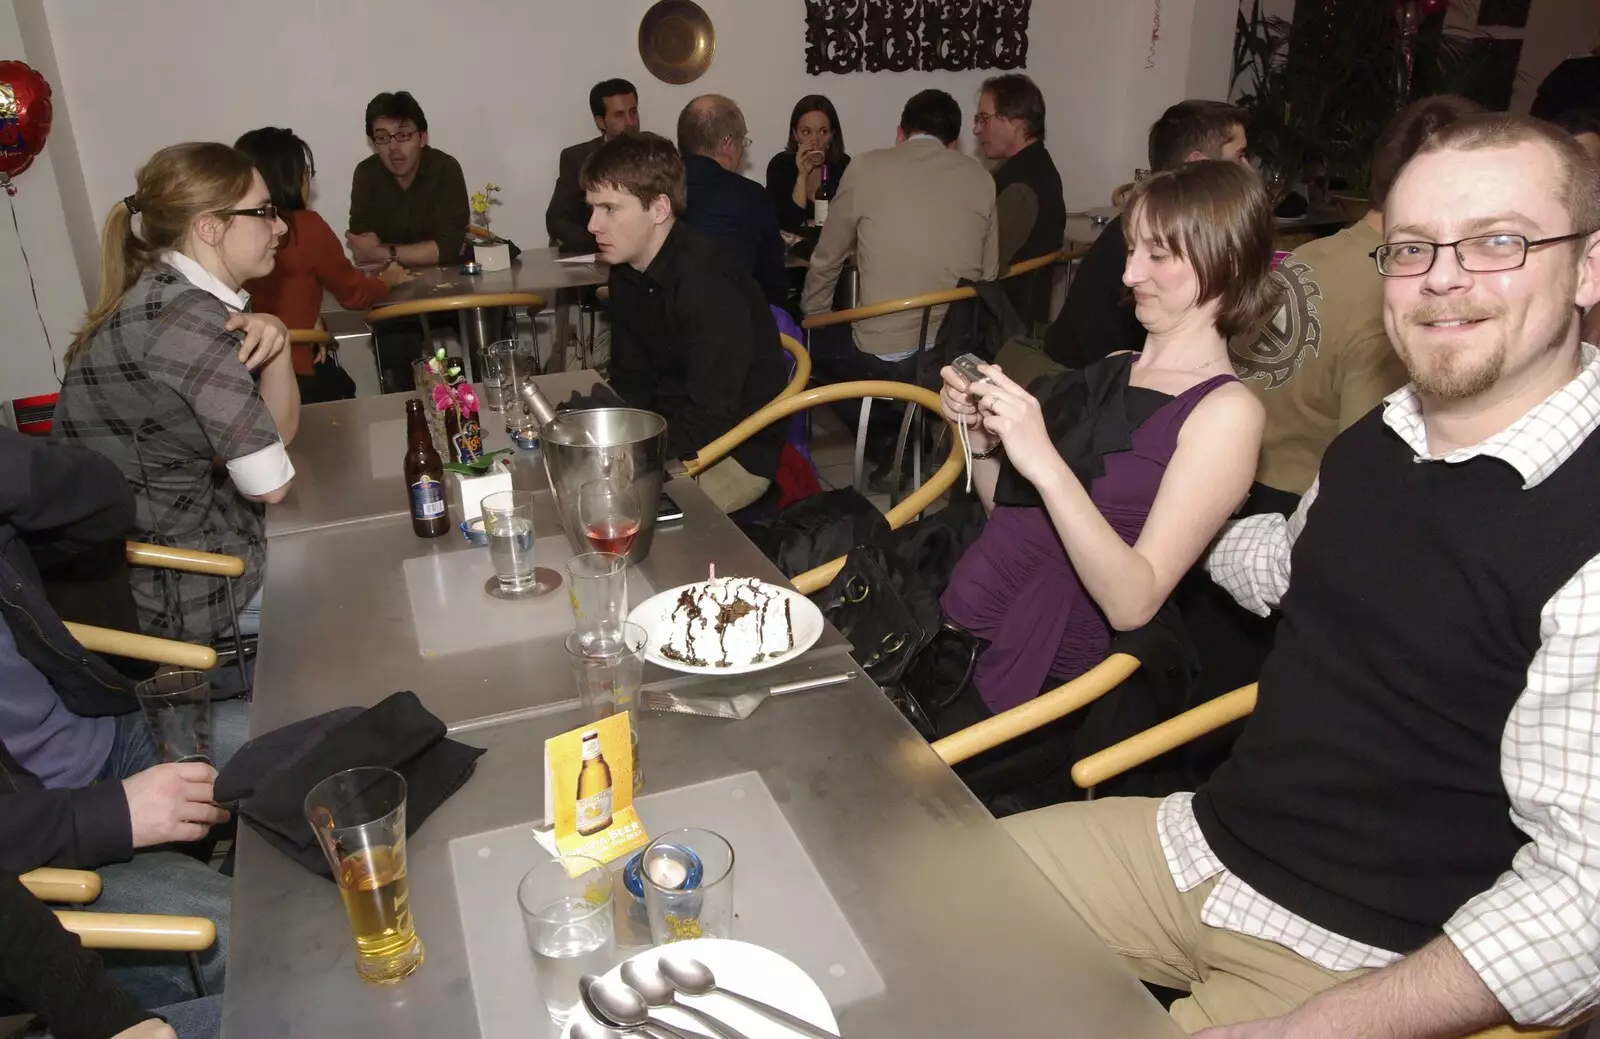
(1104, 486)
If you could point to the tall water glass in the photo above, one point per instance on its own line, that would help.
(569, 927)
(513, 360)
(508, 522)
(359, 818)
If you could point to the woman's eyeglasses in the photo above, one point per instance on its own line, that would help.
(268, 212)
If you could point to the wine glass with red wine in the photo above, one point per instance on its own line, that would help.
(610, 513)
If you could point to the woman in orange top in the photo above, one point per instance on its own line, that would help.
(311, 257)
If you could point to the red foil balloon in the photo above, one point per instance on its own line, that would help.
(24, 119)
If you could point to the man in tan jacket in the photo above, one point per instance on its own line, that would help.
(915, 218)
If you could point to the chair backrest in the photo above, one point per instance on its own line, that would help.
(1120, 194)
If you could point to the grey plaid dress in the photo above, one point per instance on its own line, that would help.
(159, 389)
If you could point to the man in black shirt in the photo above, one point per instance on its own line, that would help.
(614, 103)
(1009, 128)
(1097, 317)
(692, 337)
(731, 208)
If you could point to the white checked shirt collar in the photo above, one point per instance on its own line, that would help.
(1534, 445)
(201, 278)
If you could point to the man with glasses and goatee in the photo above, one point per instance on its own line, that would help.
(408, 202)
(1405, 841)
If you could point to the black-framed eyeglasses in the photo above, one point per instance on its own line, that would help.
(268, 212)
(1480, 254)
(383, 137)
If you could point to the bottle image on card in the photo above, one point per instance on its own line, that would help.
(594, 787)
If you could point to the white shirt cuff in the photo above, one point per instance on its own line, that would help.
(263, 471)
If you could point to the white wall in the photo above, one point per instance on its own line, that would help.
(25, 359)
(505, 82)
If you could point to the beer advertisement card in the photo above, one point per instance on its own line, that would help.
(588, 791)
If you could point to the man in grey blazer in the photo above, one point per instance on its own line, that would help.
(916, 218)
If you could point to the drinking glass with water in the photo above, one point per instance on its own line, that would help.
(508, 522)
(566, 912)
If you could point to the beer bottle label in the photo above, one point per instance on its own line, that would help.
(594, 809)
(427, 498)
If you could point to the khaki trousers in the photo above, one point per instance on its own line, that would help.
(1106, 860)
(731, 485)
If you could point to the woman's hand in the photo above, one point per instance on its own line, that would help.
(394, 273)
(808, 161)
(957, 405)
(1013, 414)
(265, 337)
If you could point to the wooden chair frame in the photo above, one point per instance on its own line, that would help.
(193, 561)
(910, 424)
(817, 578)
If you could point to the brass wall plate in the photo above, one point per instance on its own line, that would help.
(676, 41)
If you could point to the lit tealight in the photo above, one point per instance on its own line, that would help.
(667, 872)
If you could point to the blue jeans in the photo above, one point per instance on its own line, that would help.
(163, 880)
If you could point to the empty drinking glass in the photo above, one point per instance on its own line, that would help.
(511, 361)
(177, 707)
(568, 923)
(508, 522)
(609, 668)
(597, 588)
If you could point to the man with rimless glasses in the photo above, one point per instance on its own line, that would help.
(408, 202)
(1405, 841)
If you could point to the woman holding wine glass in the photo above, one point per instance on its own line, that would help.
(815, 145)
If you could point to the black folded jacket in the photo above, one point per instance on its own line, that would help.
(271, 775)
(601, 396)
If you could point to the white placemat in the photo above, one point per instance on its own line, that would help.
(386, 444)
(780, 901)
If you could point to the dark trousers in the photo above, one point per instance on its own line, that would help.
(836, 358)
(396, 344)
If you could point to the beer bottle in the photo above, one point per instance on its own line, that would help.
(819, 203)
(424, 476)
(594, 787)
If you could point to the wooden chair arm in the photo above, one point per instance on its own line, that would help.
(140, 931)
(1516, 1032)
(1038, 712)
(893, 306)
(439, 304)
(188, 560)
(143, 647)
(1158, 739)
(74, 886)
(802, 367)
(1120, 194)
(603, 293)
(311, 336)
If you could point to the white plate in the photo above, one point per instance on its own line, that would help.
(749, 970)
(653, 614)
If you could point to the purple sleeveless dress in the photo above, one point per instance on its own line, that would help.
(1016, 588)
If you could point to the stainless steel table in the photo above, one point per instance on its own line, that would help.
(338, 624)
(968, 936)
(348, 458)
(536, 270)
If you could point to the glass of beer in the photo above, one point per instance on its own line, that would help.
(359, 818)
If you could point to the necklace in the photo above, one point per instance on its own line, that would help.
(1208, 364)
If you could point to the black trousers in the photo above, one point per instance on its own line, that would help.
(836, 358)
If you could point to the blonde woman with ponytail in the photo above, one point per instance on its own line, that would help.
(194, 398)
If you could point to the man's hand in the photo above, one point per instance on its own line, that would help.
(171, 803)
(155, 1028)
(366, 248)
(265, 337)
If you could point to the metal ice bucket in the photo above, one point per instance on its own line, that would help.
(606, 443)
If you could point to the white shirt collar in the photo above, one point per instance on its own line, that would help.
(1535, 445)
(923, 137)
(201, 278)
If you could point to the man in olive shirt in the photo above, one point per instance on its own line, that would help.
(408, 202)
(1324, 359)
